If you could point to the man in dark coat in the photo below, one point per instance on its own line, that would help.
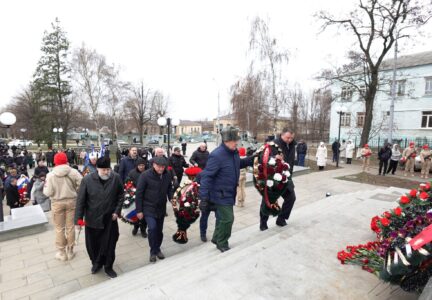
(184, 146)
(12, 195)
(200, 156)
(99, 203)
(153, 190)
(134, 176)
(287, 144)
(128, 163)
(384, 155)
(219, 182)
(177, 162)
(335, 149)
(301, 153)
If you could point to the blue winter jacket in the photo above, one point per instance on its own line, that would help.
(219, 180)
(127, 164)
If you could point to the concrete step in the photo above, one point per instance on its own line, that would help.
(258, 257)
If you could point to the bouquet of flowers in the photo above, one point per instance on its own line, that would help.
(128, 213)
(401, 254)
(186, 211)
(22, 184)
(271, 177)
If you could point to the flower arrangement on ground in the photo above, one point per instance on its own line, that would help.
(402, 253)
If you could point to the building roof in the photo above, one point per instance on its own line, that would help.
(406, 61)
(226, 117)
(189, 123)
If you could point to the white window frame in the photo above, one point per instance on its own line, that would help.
(346, 93)
(400, 87)
(428, 85)
(360, 115)
(345, 120)
(426, 115)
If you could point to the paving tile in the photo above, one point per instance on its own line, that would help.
(92, 279)
(10, 265)
(28, 290)
(24, 272)
(14, 284)
(57, 291)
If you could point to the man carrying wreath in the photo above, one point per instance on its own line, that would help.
(287, 144)
(219, 182)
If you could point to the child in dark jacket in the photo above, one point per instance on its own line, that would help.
(12, 195)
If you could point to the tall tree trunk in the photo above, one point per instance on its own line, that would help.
(369, 104)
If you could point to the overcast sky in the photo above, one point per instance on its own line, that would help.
(177, 47)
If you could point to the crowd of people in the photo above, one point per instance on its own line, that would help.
(92, 196)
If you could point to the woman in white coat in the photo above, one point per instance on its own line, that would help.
(321, 156)
(349, 151)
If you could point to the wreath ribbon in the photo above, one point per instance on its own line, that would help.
(266, 157)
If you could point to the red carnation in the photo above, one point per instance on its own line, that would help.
(428, 186)
(81, 222)
(260, 168)
(285, 167)
(413, 193)
(424, 196)
(404, 199)
(270, 171)
(398, 211)
(387, 215)
(280, 186)
(385, 222)
(374, 224)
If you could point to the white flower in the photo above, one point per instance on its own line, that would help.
(126, 202)
(133, 190)
(186, 204)
(277, 177)
(272, 162)
(287, 173)
(270, 183)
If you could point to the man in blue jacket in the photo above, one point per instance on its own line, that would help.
(127, 164)
(219, 182)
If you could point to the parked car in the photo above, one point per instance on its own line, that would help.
(20, 143)
(121, 142)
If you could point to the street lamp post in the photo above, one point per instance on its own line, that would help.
(340, 111)
(57, 132)
(7, 119)
(168, 122)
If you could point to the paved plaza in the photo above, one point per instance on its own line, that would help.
(28, 269)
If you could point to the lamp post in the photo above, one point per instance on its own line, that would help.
(168, 122)
(58, 131)
(340, 110)
(7, 119)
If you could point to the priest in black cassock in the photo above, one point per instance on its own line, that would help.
(99, 203)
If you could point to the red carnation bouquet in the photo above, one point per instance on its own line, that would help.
(271, 177)
(397, 256)
(185, 205)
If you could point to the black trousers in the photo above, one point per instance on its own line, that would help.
(289, 198)
(155, 233)
(392, 166)
(184, 152)
(349, 161)
(101, 243)
(382, 163)
(142, 225)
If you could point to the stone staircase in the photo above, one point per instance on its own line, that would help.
(294, 262)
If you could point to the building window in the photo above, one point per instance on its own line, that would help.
(360, 119)
(400, 87)
(362, 91)
(426, 119)
(428, 88)
(345, 120)
(346, 93)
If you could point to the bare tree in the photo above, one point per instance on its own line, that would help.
(273, 56)
(118, 92)
(375, 25)
(248, 101)
(320, 114)
(90, 73)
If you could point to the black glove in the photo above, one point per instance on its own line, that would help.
(204, 205)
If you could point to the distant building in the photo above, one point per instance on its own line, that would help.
(189, 128)
(413, 106)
